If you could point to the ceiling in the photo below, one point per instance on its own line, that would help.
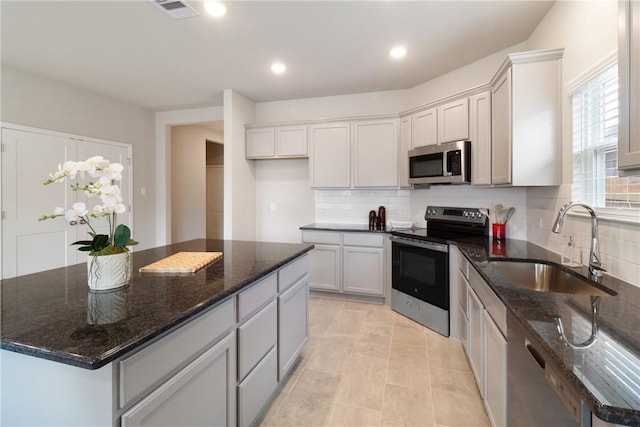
(133, 51)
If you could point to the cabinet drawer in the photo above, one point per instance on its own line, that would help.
(154, 363)
(255, 337)
(292, 272)
(256, 389)
(490, 300)
(322, 237)
(363, 239)
(256, 296)
(201, 394)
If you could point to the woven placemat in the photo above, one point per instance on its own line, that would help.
(182, 262)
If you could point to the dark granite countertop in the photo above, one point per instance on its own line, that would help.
(48, 314)
(358, 228)
(608, 372)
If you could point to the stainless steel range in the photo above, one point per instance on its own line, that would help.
(420, 264)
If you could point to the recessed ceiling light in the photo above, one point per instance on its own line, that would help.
(215, 8)
(278, 67)
(398, 52)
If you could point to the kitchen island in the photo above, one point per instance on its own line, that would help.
(74, 357)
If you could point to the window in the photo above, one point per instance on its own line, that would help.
(595, 146)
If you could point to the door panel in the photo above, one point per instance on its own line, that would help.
(27, 160)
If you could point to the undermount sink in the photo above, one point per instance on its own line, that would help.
(545, 278)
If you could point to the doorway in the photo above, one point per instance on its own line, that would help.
(197, 181)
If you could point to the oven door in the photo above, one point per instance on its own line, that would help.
(421, 270)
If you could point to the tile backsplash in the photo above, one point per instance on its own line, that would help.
(353, 206)
(619, 241)
(536, 209)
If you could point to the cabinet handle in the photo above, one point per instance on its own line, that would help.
(534, 353)
(82, 221)
(73, 222)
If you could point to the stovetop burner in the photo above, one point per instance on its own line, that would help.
(445, 223)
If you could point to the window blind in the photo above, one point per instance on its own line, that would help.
(595, 145)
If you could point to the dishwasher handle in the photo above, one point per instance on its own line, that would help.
(535, 354)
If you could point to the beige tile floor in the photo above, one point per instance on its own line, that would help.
(365, 365)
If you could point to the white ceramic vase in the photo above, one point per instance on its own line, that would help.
(109, 271)
(104, 307)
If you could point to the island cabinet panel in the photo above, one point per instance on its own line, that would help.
(256, 337)
(200, 394)
(152, 365)
(40, 392)
(255, 390)
(293, 325)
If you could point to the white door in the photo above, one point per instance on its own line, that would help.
(29, 245)
(215, 202)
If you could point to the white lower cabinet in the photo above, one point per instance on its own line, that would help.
(495, 372)
(482, 326)
(363, 264)
(476, 339)
(200, 394)
(325, 268)
(292, 325)
(352, 263)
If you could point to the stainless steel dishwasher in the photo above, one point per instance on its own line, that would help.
(537, 396)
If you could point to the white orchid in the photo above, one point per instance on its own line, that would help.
(78, 210)
(107, 173)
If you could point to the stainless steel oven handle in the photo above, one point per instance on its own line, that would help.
(421, 244)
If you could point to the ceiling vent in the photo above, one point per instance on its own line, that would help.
(176, 8)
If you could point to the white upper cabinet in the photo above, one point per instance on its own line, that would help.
(501, 131)
(453, 121)
(291, 141)
(361, 154)
(330, 155)
(260, 143)
(276, 142)
(375, 153)
(424, 128)
(629, 66)
(405, 146)
(526, 121)
(480, 136)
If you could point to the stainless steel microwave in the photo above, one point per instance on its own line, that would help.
(448, 163)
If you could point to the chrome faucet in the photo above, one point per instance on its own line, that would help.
(595, 265)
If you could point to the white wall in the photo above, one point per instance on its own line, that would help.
(475, 74)
(239, 173)
(588, 32)
(32, 100)
(188, 182)
(284, 186)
